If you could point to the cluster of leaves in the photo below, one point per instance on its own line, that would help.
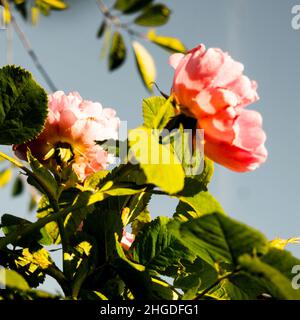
(199, 253)
(141, 13)
(31, 8)
(147, 14)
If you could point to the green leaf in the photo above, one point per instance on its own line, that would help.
(153, 16)
(11, 279)
(131, 6)
(23, 106)
(10, 223)
(46, 182)
(142, 286)
(282, 285)
(117, 54)
(18, 187)
(103, 223)
(160, 166)
(156, 248)
(50, 231)
(197, 205)
(215, 237)
(140, 221)
(101, 29)
(56, 4)
(5, 177)
(170, 44)
(157, 112)
(145, 65)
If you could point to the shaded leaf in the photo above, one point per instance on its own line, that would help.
(131, 6)
(153, 16)
(23, 106)
(117, 54)
(18, 187)
(157, 249)
(215, 237)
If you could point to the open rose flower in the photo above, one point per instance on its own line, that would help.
(210, 86)
(73, 124)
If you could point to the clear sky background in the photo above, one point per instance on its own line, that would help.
(257, 33)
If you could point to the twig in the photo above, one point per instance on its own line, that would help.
(33, 55)
(117, 22)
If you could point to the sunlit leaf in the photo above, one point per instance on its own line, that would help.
(145, 65)
(170, 44)
(5, 177)
(157, 112)
(35, 15)
(11, 279)
(56, 4)
(160, 166)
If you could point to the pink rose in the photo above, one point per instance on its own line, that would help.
(210, 86)
(127, 240)
(75, 123)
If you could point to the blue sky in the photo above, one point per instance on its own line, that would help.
(257, 33)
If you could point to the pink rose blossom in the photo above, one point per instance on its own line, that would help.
(127, 240)
(210, 86)
(76, 123)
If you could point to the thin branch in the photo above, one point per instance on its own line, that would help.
(32, 54)
(117, 22)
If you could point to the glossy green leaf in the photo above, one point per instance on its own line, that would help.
(23, 106)
(153, 16)
(145, 65)
(170, 44)
(117, 54)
